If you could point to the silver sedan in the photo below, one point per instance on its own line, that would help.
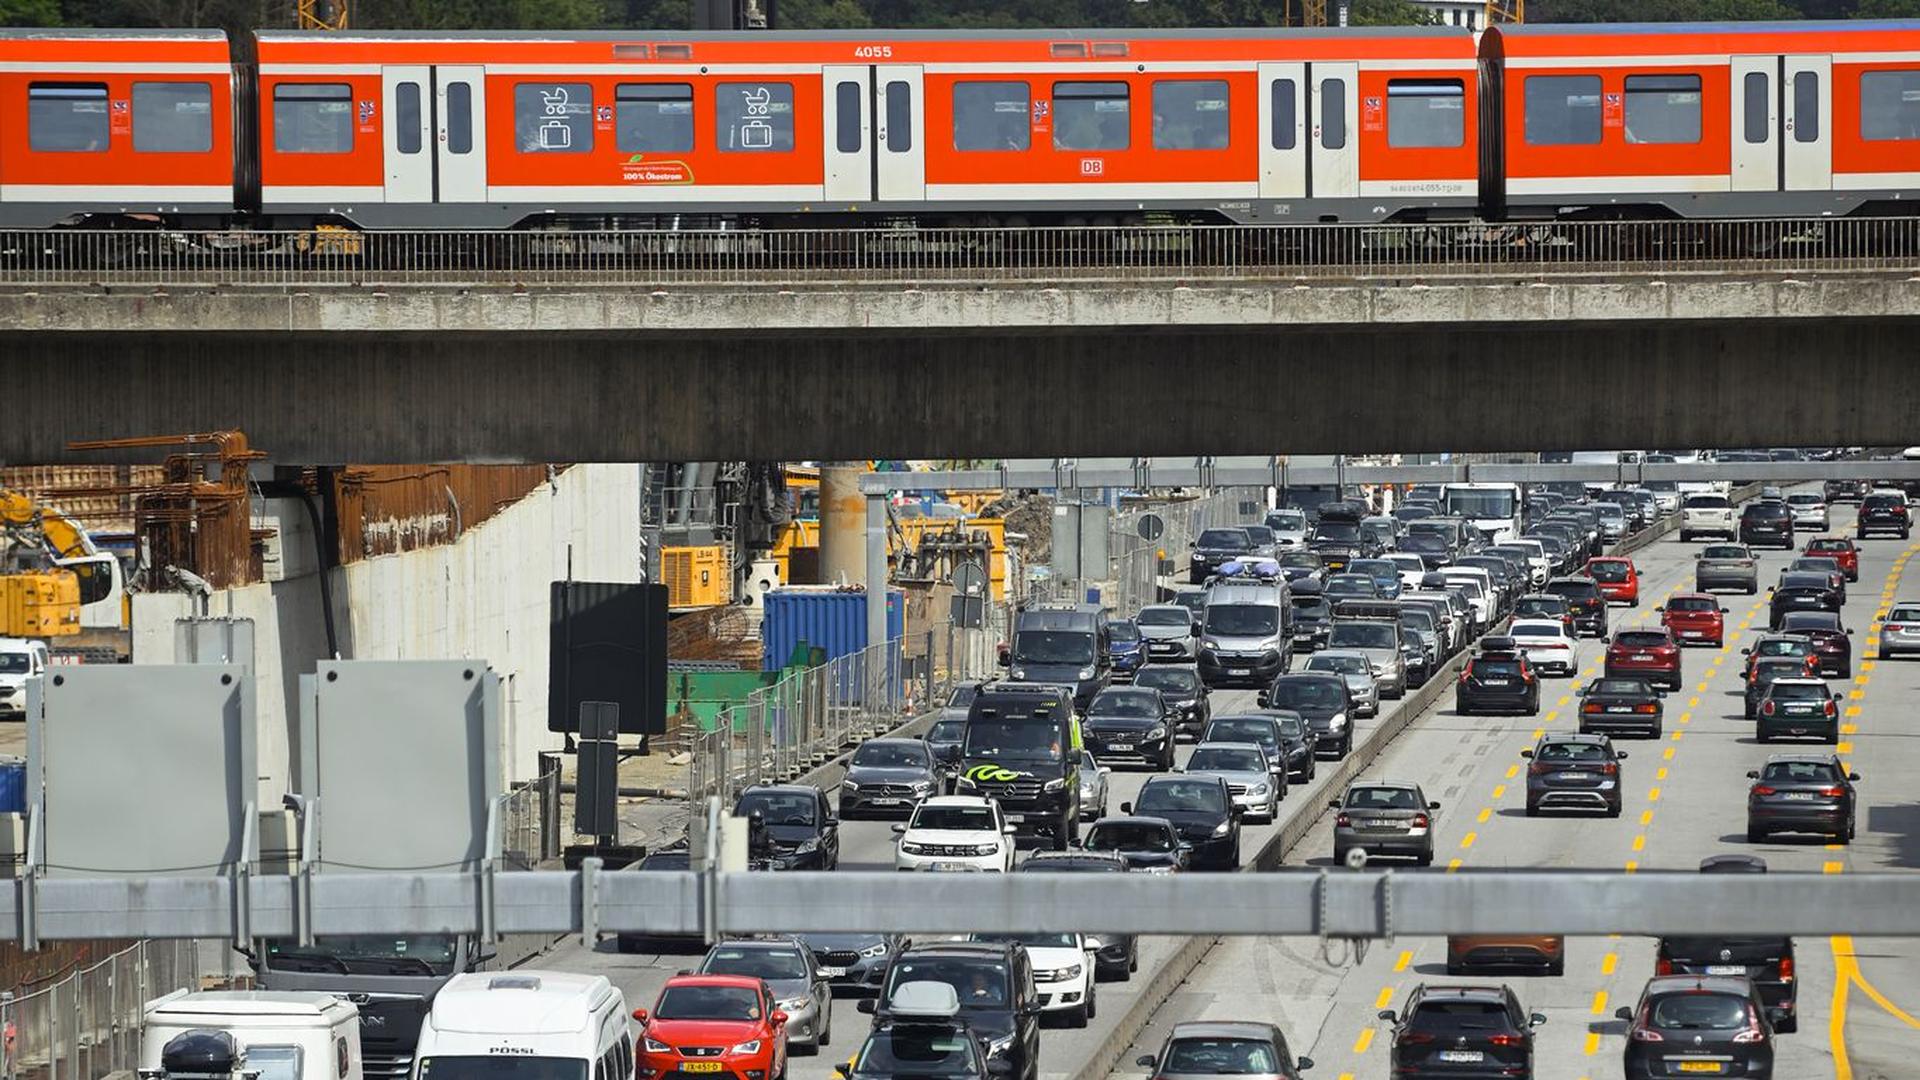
(1353, 666)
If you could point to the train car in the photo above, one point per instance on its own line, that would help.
(486, 130)
(123, 125)
(1714, 120)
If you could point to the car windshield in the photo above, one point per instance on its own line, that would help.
(1571, 751)
(1377, 568)
(1423, 541)
(1827, 545)
(1904, 614)
(1632, 687)
(1123, 631)
(1165, 616)
(1607, 571)
(1296, 693)
(917, 1050)
(1812, 772)
(1468, 586)
(1053, 647)
(1286, 520)
(1181, 796)
(1259, 534)
(1337, 530)
(947, 731)
(1035, 941)
(1537, 630)
(1784, 647)
(1481, 502)
(1725, 551)
(1707, 502)
(1698, 1012)
(1693, 603)
(1383, 798)
(1345, 665)
(1173, 682)
(1351, 585)
(370, 954)
(708, 1003)
(1129, 836)
(487, 1067)
(1806, 622)
(1416, 619)
(1312, 607)
(1540, 605)
(759, 963)
(1797, 691)
(1497, 666)
(1014, 739)
(1224, 539)
(1227, 1057)
(1804, 498)
(1457, 1016)
(1640, 639)
(1127, 703)
(15, 663)
(1232, 729)
(1768, 670)
(1242, 620)
(955, 818)
(889, 755)
(1362, 635)
(963, 695)
(1223, 759)
(778, 807)
(1304, 559)
(1880, 502)
(979, 983)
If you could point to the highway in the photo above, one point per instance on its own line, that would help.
(1685, 801)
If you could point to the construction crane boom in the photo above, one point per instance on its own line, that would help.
(321, 14)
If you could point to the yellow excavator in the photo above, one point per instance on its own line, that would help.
(55, 583)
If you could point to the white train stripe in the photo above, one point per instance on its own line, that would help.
(1617, 185)
(327, 194)
(1414, 189)
(1093, 190)
(1621, 60)
(1068, 67)
(1875, 180)
(83, 68)
(131, 195)
(667, 193)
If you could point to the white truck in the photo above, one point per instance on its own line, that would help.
(263, 1034)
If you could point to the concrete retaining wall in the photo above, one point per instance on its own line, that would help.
(483, 596)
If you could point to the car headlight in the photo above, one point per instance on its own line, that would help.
(850, 785)
(1156, 733)
(1071, 971)
(1019, 673)
(909, 848)
(808, 846)
(1209, 643)
(794, 1005)
(1257, 789)
(1337, 721)
(1157, 869)
(1056, 785)
(654, 1046)
(751, 1046)
(986, 849)
(1197, 557)
(872, 951)
(1086, 673)
(1223, 828)
(921, 787)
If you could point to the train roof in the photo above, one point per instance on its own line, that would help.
(73, 33)
(875, 35)
(1655, 39)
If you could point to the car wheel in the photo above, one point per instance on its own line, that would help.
(1752, 589)
(1614, 810)
(1425, 858)
(1788, 1026)
(1339, 855)
(1686, 537)
(624, 945)
(1133, 959)
(1557, 967)
(1756, 836)
(1533, 809)
(826, 1030)
(1077, 1018)
(1093, 1002)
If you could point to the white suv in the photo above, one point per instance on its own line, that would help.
(1709, 515)
(1063, 971)
(955, 832)
(20, 659)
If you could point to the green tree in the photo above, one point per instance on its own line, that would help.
(1888, 9)
(1387, 13)
(30, 13)
(1615, 11)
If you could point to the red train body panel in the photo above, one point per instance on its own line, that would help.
(501, 130)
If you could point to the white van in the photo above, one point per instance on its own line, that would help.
(525, 1025)
(279, 1035)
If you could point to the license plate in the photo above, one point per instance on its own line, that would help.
(952, 866)
(833, 972)
(1239, 671)
(1797, 796)
(1499, 682)
(1162, 648)
(1463, 1056)
(886, 802)
(1691, 633)
(1726, 969)
(702, 1066)
(1380, 823)
(1576, 776)
(1120, 747)
(1642, 657)
(1016, 819)
(1620, 708)
(1699, 1066)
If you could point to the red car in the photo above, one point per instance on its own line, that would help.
(724, 1025)
(1652, 654)
(1695, 619)
(1840, 550)
(1618, 579)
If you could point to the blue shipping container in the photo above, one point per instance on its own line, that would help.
(833, 620)
(13, 787)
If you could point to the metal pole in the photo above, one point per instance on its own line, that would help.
(876, 569)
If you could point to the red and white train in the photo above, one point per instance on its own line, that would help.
(497, 131)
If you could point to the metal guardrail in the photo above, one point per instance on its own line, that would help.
(88, 1024)
(531, 825)
(911, 256)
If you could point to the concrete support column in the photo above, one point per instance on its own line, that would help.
(876, 574)
(842, 516)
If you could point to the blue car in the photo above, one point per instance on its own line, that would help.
(1126, 648)
(1383, 572)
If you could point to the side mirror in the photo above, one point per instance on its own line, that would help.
(1304, 1063)
(1527, 753)
(1619, 755)
(1723, 611)
(1660, 608)
(1106, 770)
(1008, 830)
(840, 1069)
(778, 1017)
(1333, 804)
(865, 1005)
(1849, 631)
(1387, 1015)
(1623, 1013)
(1753, 774)
(640, 1015)
(1536, 1019)
(830, 823)
(1145, 1061)
(1853, 776)
(1776, 1016)
(1743, 652)
(1126, 808)
(1433, 806)
(898, 829)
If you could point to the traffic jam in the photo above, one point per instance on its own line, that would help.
(1580, 630)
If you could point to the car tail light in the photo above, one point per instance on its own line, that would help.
(1420, 821)
(1640, 1034)
(1342, 820)
(1593, 706)
(1507, 1040)
(1663, 966)
(1831, 707)
(1645, 708)
(1767, 708)
(1833, 792)
(1752, 1034)
(1762, 789)
(1893, 626)
(1415, 1038)
(1611, 768)
(1538, 768)
(1786, 969)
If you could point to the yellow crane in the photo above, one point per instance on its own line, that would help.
(321, 14)
(55, 581)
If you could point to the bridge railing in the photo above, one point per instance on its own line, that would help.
(931, 256)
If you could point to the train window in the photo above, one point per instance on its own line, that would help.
(1333, 114)
(67, 117)
(1890, 105)
(1190, 114)
(406, 117)
(459, 118)
(313, 118)
(1090, 116)
(1663, 109)
(1286, 114)
(899, 117)
(1806, 106)
(846, 107)
(990, 116)
(172, 117)
(653, 117)
(1562, 110)
(1757, 107)
(553, 118)
(756, 116)
(1426, 112)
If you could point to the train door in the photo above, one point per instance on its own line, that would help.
(849, 126)
(460, 121)
(407, 94)
(1283, 147)
(897, 147)
(1756, 123)
(1334, 114)
(1807, 91)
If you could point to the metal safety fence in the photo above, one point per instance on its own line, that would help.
(813, 715)
(909, 255)
(1138, 551)
(88, 1024)
(530, 828)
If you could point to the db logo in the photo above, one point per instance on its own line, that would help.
(1092, 166)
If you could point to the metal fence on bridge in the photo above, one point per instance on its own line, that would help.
(88, 1024)
(916, 256)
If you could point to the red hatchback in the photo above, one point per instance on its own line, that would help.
(1653, 654)
(724, 1026)
(1840, 550)
(1695, 619)
(1618, 579)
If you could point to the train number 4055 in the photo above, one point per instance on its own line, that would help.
(873, 52)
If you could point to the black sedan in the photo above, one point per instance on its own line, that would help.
(1688, 1025)
(1201, 809)
(1573, 772)
(1500, 681)
(1186, 696)
(1798, 707)
(1216, 546)
(888, 777)
(1322, 699)
(1831, 649)
(1130, 724)
(1801, 793)
(1800, 592)
(853, 961)
(1621, 704)
(1148, 844)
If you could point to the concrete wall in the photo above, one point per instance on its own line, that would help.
(484, 596)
